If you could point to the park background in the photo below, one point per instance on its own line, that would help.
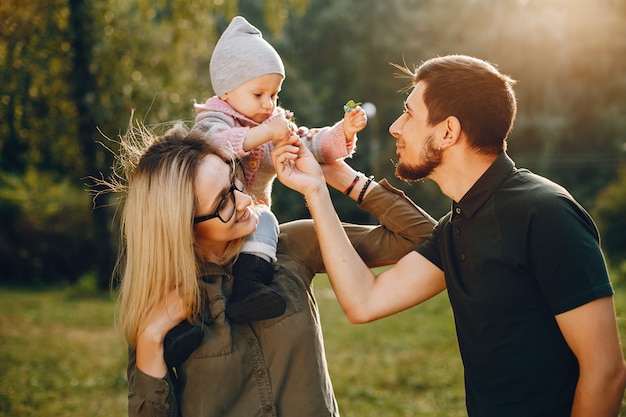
(73, 71)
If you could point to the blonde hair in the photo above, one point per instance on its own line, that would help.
(155, 175)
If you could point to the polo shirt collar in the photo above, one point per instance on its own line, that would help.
(484, 188)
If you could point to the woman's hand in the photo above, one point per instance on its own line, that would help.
(338, 174)
(165, 316)
(296, 167)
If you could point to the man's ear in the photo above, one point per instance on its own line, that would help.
(452, 132)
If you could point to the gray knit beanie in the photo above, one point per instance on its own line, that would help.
(240, 55)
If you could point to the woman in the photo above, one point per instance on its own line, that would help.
(173, 269)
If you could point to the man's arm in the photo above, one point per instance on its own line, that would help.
(413, 280)
(363, 296)
(591, 332)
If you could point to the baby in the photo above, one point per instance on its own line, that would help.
(246, 75)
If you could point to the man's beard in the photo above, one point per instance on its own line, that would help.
(431, 160)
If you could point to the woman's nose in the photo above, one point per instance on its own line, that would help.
(242, 199)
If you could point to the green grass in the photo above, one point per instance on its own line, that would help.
(405, 365)
(60, 356)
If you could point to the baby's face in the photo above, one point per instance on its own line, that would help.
(256, 99)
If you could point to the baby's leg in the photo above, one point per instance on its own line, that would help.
(252, 299)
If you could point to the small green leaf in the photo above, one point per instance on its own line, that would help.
(350, 105)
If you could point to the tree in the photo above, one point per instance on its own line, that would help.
(72, 67)
(569, 57)
(72, 73)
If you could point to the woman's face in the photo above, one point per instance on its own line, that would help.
(215, 182)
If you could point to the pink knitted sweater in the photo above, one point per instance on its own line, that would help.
(226, 127)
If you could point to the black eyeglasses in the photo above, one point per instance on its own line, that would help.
(226, 207)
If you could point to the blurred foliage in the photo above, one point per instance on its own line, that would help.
(71, 67)
(569, 57)
(609, 212)
(45, 229)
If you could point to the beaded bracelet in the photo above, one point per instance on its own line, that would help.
(348, 190)
(362, 193)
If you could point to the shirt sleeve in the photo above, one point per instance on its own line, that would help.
(149, 396)
(429, 249)
(328, 144)
(403, 226)
(564, 253)
(221, 130)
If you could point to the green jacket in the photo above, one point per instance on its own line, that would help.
(275, 367)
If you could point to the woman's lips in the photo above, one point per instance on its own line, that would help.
(245, 216)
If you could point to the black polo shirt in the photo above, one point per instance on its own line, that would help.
(516, 251)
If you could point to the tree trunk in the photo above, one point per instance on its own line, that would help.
(84, 91)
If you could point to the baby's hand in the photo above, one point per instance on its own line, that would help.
(280, 128)
(354, 121)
